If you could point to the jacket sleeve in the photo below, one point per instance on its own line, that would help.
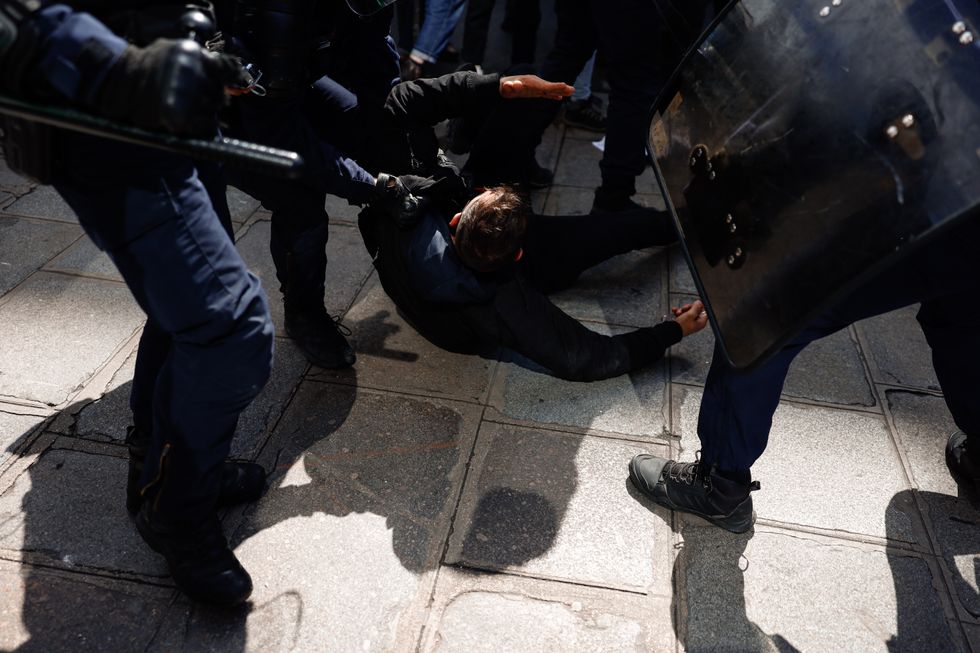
(426, 102)
(539, 330)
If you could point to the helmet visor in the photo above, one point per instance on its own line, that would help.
(368, 7)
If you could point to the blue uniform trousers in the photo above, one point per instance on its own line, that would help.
(206, 350)
(737, 407)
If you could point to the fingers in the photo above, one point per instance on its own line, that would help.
(532, 86)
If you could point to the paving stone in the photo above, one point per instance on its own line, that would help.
(633, 403)
(824, 467)
(781, 591)
(829, 370)
(26, 245)
(531, 502)
(60, 330)
(69, 508)
(578, 165)
(626, 290)
(340, 210)
(551, 148)
(348, 264)
(973, 636)
(241, 205)
(107, 418)
(393, 356)
(357, 512)
(43, 202)
(84, 258)
(480, 621)
(681, 280)
(924, 423)
(517, 613)
(567, 200)
(46, 610)
(15, 430)
(13, 183)
(897, 350)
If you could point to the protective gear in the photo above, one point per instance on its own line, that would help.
(174, 85)
(200, 561)
(396, 197)
(368, 7)
(692, 488)
(795, 177)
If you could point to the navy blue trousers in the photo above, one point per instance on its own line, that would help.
(737, 407)
(206, 351)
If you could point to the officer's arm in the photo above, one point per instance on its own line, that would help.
(426, 102)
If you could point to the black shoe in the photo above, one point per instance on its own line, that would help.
(319, 336)
(530, 175)
(585, 114)
(202, 565)
(687, 487)
(536, 176)
(964, 465)
(241, 482)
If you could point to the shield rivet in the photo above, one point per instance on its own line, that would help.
(825, 12)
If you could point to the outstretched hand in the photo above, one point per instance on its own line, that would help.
(532, 86)
(691, 317)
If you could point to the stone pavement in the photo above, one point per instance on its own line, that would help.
(427, 501)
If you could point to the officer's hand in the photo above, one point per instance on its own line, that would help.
(532, 86)
(692, 317)
(395, 197)
(172, 85)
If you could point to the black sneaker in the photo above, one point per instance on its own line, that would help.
(964, 465)
(202, 565)
(586, 114)
(319, 336)
(687, 487)
(241, 482)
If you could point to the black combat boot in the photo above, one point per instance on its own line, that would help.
(200, 562)
(964, 465)
(241, 482)
(613, 203)
(318, 335)
(689, 487)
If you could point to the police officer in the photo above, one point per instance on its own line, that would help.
(326, 70)
(206, 350)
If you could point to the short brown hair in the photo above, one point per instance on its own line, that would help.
(491, 228)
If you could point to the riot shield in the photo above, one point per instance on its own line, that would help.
(805, 145)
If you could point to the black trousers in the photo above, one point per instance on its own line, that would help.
(523, 18)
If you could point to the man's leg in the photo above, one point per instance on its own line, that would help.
(478, 13)
(154, 218)
(737, 407)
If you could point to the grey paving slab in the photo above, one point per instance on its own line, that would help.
(568, 200)
(68, 509)
(348, 264)
(515, 613)
(84, 258)
(578, 164)
(341, 210)
(58, 331)
(393, 356)
(481, 621)
(829, 370)
(626, 290)
(551, 148)
(897, 350)
(923, 423)
(107, 417)
(46, 610)
(823, 467)
(26, 245)
(15, 429)
(531, 503)
(13, 183)
(356, 515)
(241, 205)
(782, 591)
(681, 280)
(973, 636)
(42, 202)
(632, 404)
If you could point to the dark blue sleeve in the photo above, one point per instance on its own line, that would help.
(77, 52)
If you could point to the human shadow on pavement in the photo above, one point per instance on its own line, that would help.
(955, 526)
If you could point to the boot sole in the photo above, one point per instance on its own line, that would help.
(737, 526)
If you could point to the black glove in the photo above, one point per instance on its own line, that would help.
(172, 85)
(400, 197)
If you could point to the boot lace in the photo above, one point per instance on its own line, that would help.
(688, 473)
